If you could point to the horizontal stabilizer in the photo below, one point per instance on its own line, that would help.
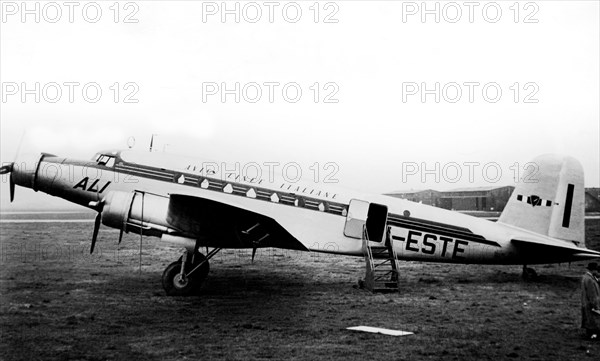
(551, 248)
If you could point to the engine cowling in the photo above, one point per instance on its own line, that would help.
(132, 211)
(116, 209)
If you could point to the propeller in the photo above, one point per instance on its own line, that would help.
(96, 229)
(6, 170)
(98, 206)
(121, 233)
(10, 167)
(11, 183)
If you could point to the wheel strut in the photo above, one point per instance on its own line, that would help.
(209, 255)
(176, 279)
(182, 274)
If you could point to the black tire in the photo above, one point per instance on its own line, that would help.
(174, 285)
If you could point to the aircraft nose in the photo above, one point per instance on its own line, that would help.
(24, 169)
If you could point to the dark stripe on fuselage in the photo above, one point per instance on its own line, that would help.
(442, 229)
(214, 184)
(238, 189)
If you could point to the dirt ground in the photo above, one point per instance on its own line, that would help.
(58, 302)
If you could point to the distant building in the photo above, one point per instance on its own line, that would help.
(476, 199)
(429, 196)
(592, 199)
(462, 199)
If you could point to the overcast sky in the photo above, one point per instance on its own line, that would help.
(511, 82)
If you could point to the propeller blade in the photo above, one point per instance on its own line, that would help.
(20, 145)
(6, 169)
(120, 236)
(96, 228)
(11, 184)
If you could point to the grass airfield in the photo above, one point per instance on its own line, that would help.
(57, 302)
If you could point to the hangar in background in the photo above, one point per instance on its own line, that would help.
(488, 199)
(429, 197)
(462, 199)
(476, 199)
(592, 199)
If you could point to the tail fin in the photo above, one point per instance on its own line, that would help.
(550, 201)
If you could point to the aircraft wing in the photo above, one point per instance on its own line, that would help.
(219, 224)
(548, 249)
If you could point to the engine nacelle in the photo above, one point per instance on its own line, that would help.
(133, 211)
(116, 209)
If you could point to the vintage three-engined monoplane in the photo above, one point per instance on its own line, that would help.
(193, 203)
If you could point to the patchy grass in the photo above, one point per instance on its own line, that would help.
(57, 302)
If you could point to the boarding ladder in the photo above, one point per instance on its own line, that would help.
(382, 265)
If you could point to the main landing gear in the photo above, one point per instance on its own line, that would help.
(185, 276)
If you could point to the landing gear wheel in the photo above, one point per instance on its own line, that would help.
(176, 284)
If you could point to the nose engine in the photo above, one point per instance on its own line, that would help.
(23, 172)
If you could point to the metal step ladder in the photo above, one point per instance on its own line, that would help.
(382, 271)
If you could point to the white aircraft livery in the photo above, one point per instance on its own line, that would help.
(196, 204)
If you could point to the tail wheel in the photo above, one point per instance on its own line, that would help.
(529, 274)
(176, 284)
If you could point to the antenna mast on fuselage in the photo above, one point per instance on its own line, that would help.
(152, 141)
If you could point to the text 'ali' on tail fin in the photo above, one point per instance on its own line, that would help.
(550, 200)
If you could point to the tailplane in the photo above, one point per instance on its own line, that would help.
(550, 200)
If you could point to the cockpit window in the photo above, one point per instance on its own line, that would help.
(106, 160)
